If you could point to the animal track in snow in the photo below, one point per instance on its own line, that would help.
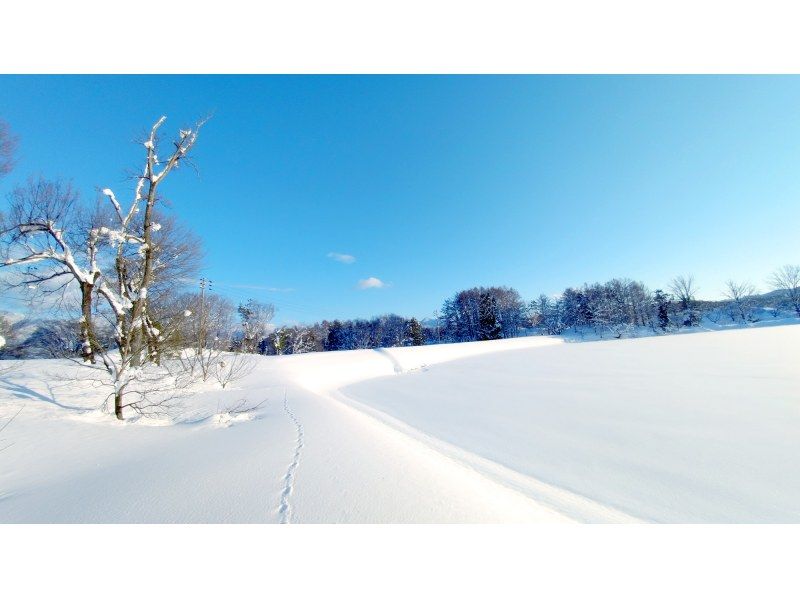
(285, 508)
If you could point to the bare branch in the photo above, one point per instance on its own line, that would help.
(787, 279)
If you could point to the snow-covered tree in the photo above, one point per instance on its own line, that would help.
(577, 309)
(414, 336)
(684, 289)
(787, 279)
(256, 318)
(740, 300)
(510, 310)
(335, 338)
(388, 331)
(49, 252)
(550, 314)
(209, 328)
(661, 304)
(233, 366)
(292, 340)
(500, 307)
(52, 338)
(489, 327)
(117, 261)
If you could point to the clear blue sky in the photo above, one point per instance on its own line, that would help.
(440, 183)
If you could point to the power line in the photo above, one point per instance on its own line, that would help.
(244, 292)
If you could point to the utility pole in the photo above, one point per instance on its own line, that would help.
(204, 283)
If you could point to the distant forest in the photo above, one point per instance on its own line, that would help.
(615, 309)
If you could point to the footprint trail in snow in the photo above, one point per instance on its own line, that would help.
(285, 509)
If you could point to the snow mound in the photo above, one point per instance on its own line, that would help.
(324, 372)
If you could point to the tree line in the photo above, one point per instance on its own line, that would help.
(614, 309)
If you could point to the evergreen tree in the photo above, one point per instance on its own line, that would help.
(414, 335)
(662, 304)
(335, 340)
(280, 340)
(489, 328)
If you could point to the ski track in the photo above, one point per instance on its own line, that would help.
(398, 368)
(565, 502)
(561, 500)
(285, 509)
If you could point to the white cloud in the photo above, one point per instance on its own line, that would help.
(371, 283)
(344, 258)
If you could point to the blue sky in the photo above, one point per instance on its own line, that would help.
(434, 184)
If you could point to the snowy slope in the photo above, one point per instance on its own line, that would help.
(699, 427)
(696, 428)
(304, 458)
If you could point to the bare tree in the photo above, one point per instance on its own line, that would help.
(38, 238)
(684, 289)
(8, 146)
(438, 326)
(178, 256)
(37, 232)
(232, 367)
(209, 333)
(740, 300)
(787, 279)
(209, 330)
(256, 318)
(136, 335)
(716, 315)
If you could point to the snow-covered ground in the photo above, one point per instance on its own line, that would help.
(685, 428)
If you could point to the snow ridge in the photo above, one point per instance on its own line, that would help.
(285, 508)
(570, 505)
(398, 367)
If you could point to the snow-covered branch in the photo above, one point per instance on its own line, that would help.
(114, 260)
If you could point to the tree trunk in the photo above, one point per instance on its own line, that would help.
(137, 345)
(87, 349)
(118, 405)
(153, 349)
